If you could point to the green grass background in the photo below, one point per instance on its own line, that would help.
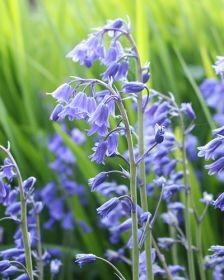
(180, 38)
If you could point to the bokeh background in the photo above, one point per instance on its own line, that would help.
(180, 38)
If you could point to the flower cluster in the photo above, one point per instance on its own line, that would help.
(17, 200)
(57, 194)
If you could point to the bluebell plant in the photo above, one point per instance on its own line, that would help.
(153, 148)
(155, 169)
(27, 259)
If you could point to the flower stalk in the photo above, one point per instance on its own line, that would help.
(25, 235)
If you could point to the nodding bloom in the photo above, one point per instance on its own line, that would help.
(166, 242)
(145, 77)
(55, 266)
(216, 167)
(219, 66)
(55, 115)
(159, 133)
(83, 259)
(8, 171)
(100, 151)
(5, 264)
(97, 180)
(133, 87)
(108, 206)
(219, 202)
(62, 93)
(209, 150)
(29, 183)
(187, 108)
(207, 198)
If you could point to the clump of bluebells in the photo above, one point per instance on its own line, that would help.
(26, 259)
(155, 165)
(57, 195)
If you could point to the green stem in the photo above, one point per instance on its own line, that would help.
(162, 260)
(39, 249)
(172, 231)
(25, 235)
(141, 146)
(190, 256)
(119, 274)
(133, 190)
(199, 253)
(133, 174)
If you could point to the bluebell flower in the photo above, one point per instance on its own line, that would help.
(165, 242)
(4, 264)
(219, 202)
(77, 136)
(207, 198)
(216, 167)
(187, 108)
(97, 180)
(100, 116)
(55, 115)
(29, 183)
(122, 71)
(100, 152)
(62, 93)
(219, 66)
(133, 87)
(218, 131)
(159, 134)
(145, 77)
(112, 143)
(8, 171)
(209, 150)
(83, 259)
(68, 221)
(55, 266)
(170, 219)
(111, 71)
(108, 206)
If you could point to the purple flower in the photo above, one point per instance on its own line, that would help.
(108, 206)
(62, 93)
(68, 221)
(218, 131)
(101, 116)
(97, 180)
(207, 198)
(159, 133)
(83, 259)
(28, 183)
(216, 167)
(55, 115)
(166, 242)
(112, 143)
(219, 202)
(4, 264)
(219, 66)
(100, 152)
(8, 169)
(111, 71)
(133, 87)
(122, 71)
(209, 150)
(187, 108)
(145, 77)
(55, 266)
(77, 136)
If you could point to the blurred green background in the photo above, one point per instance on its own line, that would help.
(180, 38)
